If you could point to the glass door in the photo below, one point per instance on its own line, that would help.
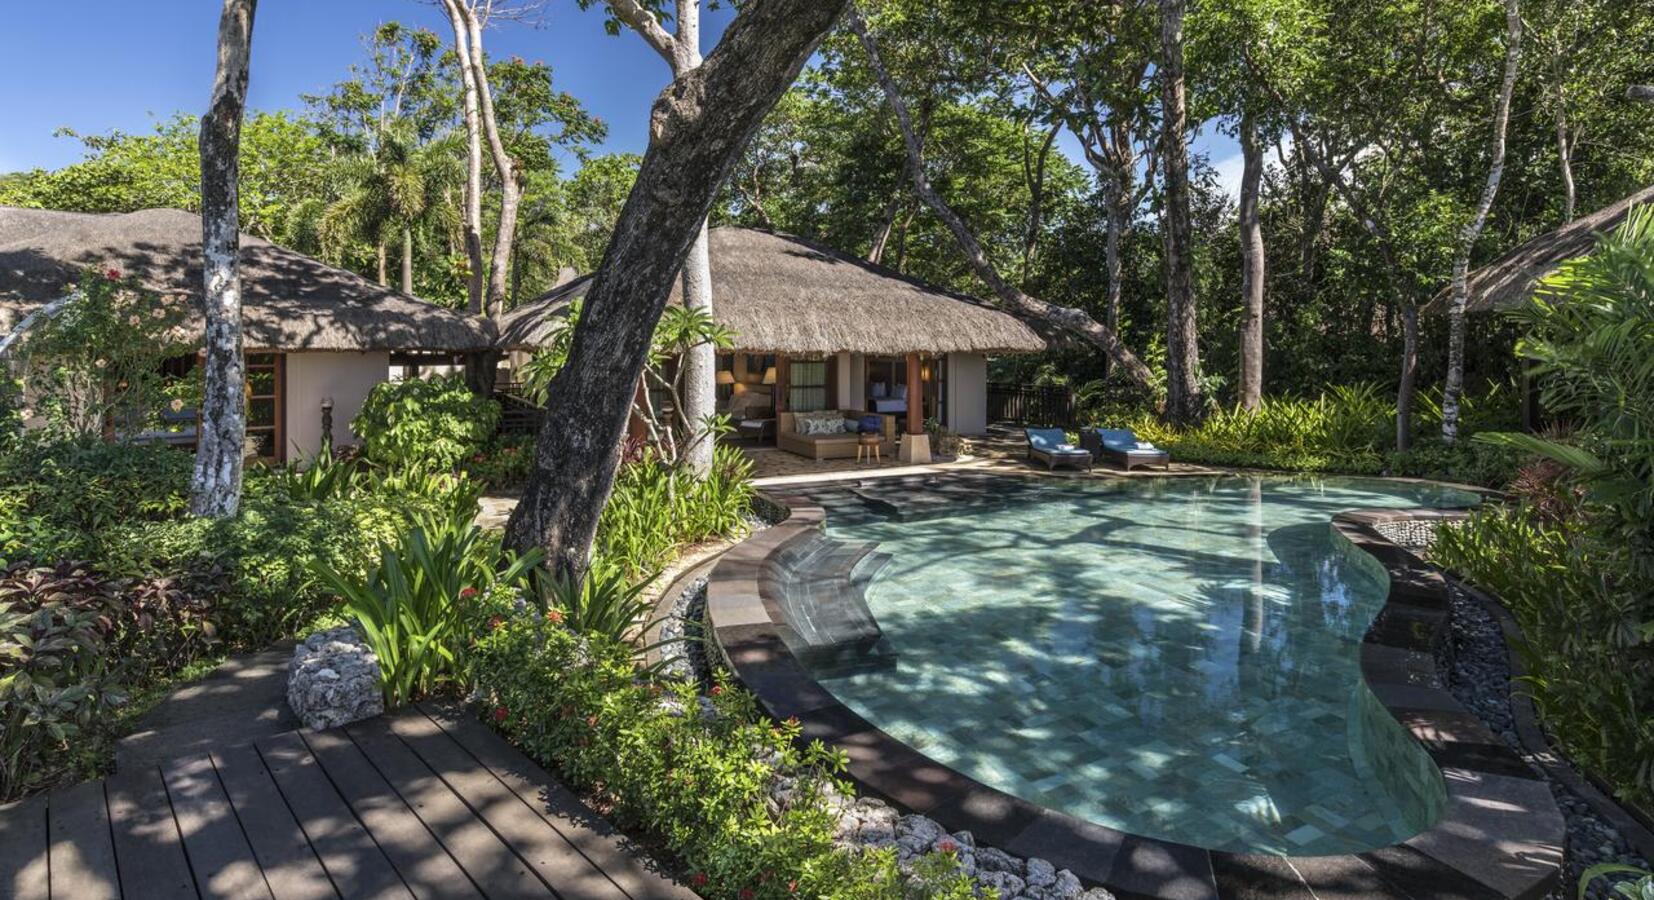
(266, 374)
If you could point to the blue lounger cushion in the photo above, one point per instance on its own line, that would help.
(1053, 441)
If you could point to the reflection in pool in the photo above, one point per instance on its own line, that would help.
(1176, 658)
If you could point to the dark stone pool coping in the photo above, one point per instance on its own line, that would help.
(1500, 834)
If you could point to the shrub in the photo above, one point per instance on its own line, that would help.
(72, 641)
(504, 464)
(431, 422)
(1583, 615)
(655, 509)
(58, 498)
(699, 784)
(413, 608)
(604, 602)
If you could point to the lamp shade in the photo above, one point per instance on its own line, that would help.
(725, 376)
(769, 375)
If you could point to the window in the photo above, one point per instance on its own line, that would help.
(807, 385)
(264, 402)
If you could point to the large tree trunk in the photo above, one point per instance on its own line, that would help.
(1033, 173)
(472, 219)
(215, 491)
(1409, 375)
(1252, 266)
(1454, 388)
(1184, 405)
(699, 127)
(1011, 298)
(700, 364)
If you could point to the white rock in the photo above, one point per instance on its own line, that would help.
(333, 680)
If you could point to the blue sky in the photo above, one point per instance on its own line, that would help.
(96, 65)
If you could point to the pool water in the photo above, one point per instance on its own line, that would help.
(1176, 658)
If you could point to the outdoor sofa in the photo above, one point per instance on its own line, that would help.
(801, 433)
(1122, 446)
(1051, 446)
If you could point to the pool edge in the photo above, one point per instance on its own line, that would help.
(1500, 834)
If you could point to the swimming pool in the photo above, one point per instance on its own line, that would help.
(1175, 658)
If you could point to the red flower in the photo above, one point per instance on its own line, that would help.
(501, 713)
(747, 894)
(717, 690)
(468, 593)
(495, 623)
(698, 879)
(948, 847)
(792, 886)
(554, 616)
(113, 274)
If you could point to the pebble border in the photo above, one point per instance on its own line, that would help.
(1500, 834)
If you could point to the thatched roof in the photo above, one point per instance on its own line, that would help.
(1507, 282)
(289, 301)
(783, 294)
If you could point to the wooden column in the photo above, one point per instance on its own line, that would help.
(780, 383)
(915, 396)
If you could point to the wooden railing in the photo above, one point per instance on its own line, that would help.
(1029, 404)
(518, 415)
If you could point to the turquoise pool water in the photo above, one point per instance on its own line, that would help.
(1176, 658)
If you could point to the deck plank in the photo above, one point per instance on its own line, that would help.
(291, 868)
(354, 863)
(479, 851)
(220, 856)
(424, 865)
(81, 855)
(624, 862)
(544, 848)
(23, 844)
(148, 848)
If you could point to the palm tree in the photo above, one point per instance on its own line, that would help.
(395, 191)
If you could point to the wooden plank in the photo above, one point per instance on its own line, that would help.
(23, 850)
(353, 861)
(596, 839)
(291, 868)
(497, 871)
(148, 847)
(82, 855)
(427, 869)
(533, 839)
(219, 854)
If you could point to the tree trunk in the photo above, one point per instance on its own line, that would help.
(1252, 266)
(1012, 299)
(407, 261)
(699, 127)
(215, 490)
(1035, 176)
(1119, 218)
(1409, 376)
(1565, 154)
(472, 219)
(1454, 389)
(381, 257)
(511, 189)
(1184, 405)
(700, 363)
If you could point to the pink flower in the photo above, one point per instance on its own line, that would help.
(947, 846)
(717, 690)
(747, 894)
(113, 274)
(467, 593)
(554, 616)
(501, 713)
(698, 879)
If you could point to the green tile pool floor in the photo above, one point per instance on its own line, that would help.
(1175, 658)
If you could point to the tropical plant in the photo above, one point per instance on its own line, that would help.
(656, 508)
(413, 609)
(1640, 886)
(326, 477)
(434, 422)
(605, 601)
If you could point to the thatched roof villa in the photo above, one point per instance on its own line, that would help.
(817, 329)
(312, 332)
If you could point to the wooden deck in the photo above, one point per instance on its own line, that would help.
(425, 803)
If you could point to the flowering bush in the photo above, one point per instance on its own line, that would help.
(696, 779)
(97, 361)
(504, 463)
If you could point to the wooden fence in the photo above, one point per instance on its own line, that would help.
(1028, 404)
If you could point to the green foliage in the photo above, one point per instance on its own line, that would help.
(656, 509)
(504, 464)
(59, 498)
(698, 784)
(96, 362)
(1639, 886)
(424, 422)
(72, 641)
(1585, 618)
(414, 608)
(605, 601)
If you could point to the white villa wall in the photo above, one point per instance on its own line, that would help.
(967, 387)
(346, 377)
(845, 388)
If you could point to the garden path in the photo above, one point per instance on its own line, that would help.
(423, 803)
